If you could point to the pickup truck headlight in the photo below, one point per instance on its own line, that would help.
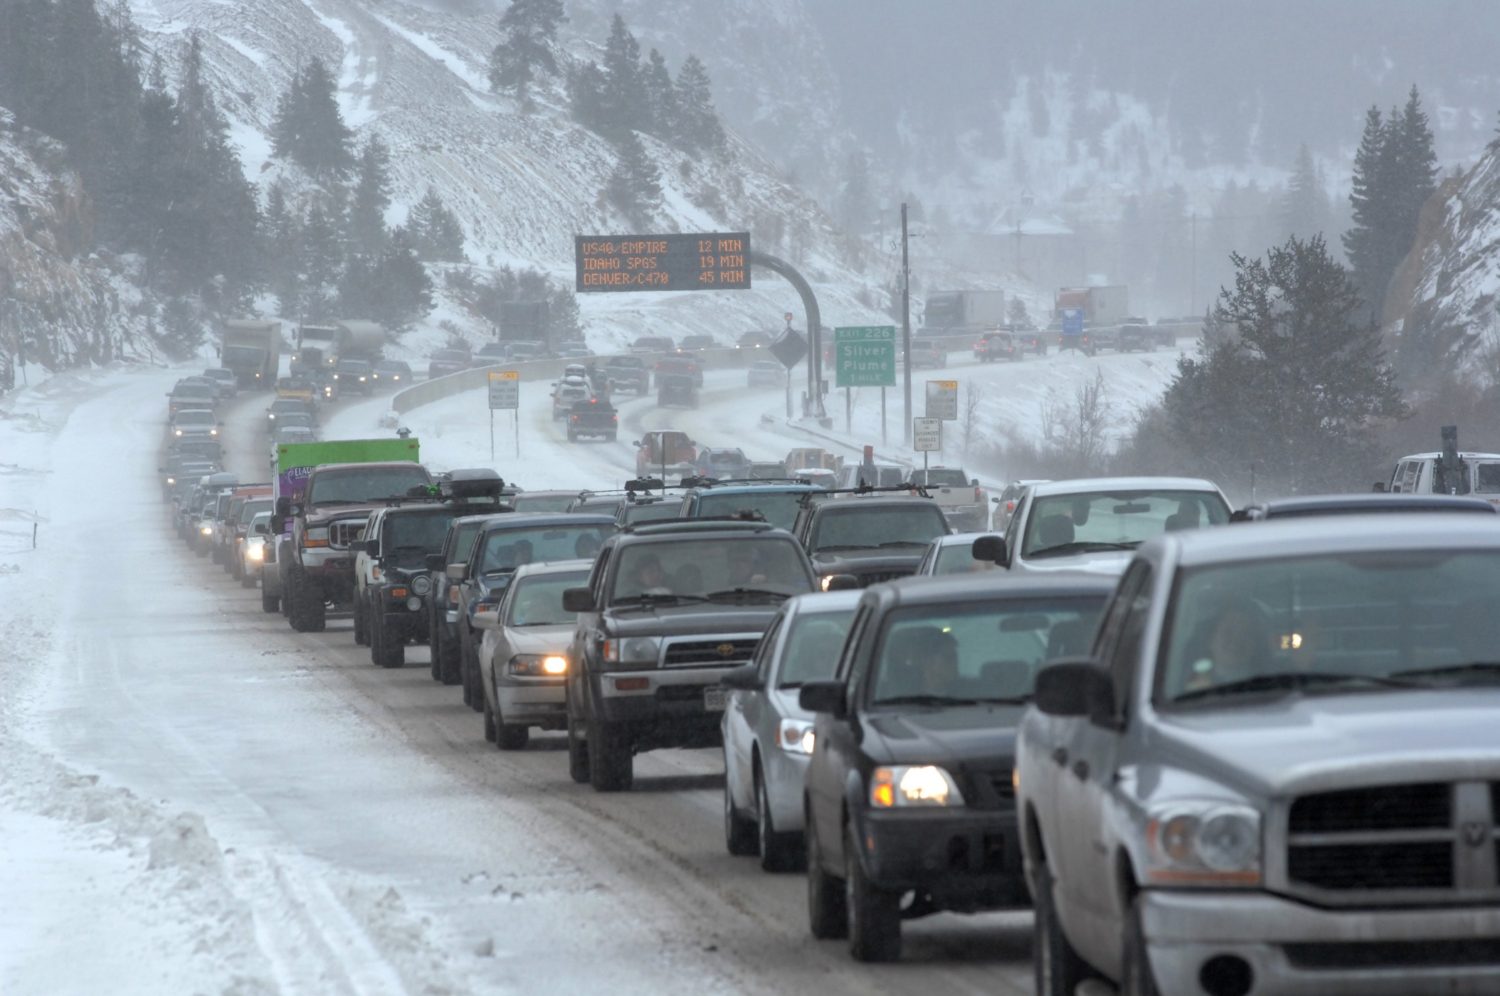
(1207, 843)
(421, 584)
(539, 665)
(796, 736)
(913, 785)
(638, 651)
(255, 553)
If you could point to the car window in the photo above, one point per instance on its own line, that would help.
(811, 650)
(1125, 653)
(958, 558)
(537, 601)
(764, 650)
(847, 657)
(779, 508)
(542, 503)
(702, 567)
(1487, 477)
(506, 549)
(413, 535)
(973, 650)
(1413, 471)
(849, 526)
(358, 484)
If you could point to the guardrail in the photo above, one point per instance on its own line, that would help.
(476, 378)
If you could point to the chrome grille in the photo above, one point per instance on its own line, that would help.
(1426, 842)
(867, 578)
(726, 651)
(342, 532)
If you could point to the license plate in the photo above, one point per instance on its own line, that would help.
(714, 697)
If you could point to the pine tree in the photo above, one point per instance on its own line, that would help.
(586, 96)
(699, 129)
(1304, 205)
(624, 94)
(434, 232)
(322, 261)
(530, 29)
(855, 205)
(393, 289)
(1415, 168)
(1293, 381)
(309, 129)
(281, 239)
(634, 188)
(372, 195)
(1369, 201)
(661, 97)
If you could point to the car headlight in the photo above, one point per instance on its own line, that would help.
(539, 665)
(635, 650)
(825, 581)
(362, 380)
(913, 785)
(206, 530)
(171, 480)
(255, 552)
(796, 736)
(213, 432)
(1206, 843)
(176, 432)
(421, 584)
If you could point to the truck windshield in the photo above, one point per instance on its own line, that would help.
(848, 526)
(410, 536)
(700, 568)
(542, 503)
(1061, 525)
(1320, 624)
(977, 651)
(537, 601)
(365, 484)
(507, 549)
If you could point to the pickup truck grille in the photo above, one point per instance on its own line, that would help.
(342, 532)
(867, 578)
(992, 789)
(1430, 842)
(725, 652)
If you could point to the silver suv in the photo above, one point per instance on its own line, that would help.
(1278, 770)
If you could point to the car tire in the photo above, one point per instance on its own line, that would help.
(1059, 968)
(1136, 977)
(578, 754)
(490, 732)
(387, 649)
(449, 664)
(739, 831)
(308, 613)
(473, 693)
(779, 852)
(827, 917)
(247, 580)
(509, 736)
(361, 622)
(874, 913)
(269, 604)
(611, 766)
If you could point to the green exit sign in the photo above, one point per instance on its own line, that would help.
(864, 356)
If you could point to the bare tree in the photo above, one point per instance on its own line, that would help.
(973, 398)
(1076, 429)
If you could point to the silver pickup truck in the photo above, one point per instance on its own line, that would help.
(963, 501)
(1279, 770)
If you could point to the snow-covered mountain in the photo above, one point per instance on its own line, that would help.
(522, 185)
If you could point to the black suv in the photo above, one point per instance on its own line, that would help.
(910, 786)
(442, 606)
(670, 607)
(628, 373)
(870, 537)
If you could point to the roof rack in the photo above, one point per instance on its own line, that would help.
(703, 481)
(749, 523)
(867, 489)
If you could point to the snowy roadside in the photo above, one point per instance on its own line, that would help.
(105, 890)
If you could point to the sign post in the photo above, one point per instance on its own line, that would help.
(942, 401)
(505, 393)
(926, 436)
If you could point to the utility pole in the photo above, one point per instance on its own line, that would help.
(906, 324)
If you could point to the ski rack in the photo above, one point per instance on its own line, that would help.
(866, 489)
(703, 481)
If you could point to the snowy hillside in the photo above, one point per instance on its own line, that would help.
(1447, 292)
(85, 305)
(522, 186)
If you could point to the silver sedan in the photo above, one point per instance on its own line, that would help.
(521, 660)
(768, 736)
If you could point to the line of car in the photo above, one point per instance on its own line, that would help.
(1226, 753)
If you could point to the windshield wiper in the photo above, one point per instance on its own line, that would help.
(925, 700)
(845, 546)
(1490, 669)
(647, 600)
(905, 543)
(1081, 546)
(731, 592)
(1288, 681)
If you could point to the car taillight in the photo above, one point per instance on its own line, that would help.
(978, 493)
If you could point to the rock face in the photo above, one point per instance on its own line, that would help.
(58, 307)
(1443, 297)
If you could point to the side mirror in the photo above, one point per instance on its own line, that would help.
(995, 500)
(841, 582)
(991, 548)
(824, 696)
(578, 600)
(745, 677)
(284, 505)
(457, 572)
(1379, 486)
(434, 562)
(635, 442)
(278, 522)
(259, 529)
(1075, 686)
(973, 482)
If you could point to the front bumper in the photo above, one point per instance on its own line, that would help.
(533, 701)
(965, 859)
(1300, 950)
(666, 706)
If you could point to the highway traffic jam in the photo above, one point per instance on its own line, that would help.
(1216, 750)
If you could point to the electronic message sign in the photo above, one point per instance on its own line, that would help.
(697, 261)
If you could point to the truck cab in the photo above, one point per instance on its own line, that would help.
(664, 451)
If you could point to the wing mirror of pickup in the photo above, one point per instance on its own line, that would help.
(457, 572)
(278, 522)
(824, 696)
(991, 548)
(578, 600)
(434, 563)
(746, 677)
(1075, 686)
(284, 505)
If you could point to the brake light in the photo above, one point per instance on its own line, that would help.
(978, 493)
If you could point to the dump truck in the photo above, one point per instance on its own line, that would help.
(252, 349)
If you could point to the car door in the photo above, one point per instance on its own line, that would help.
(744, 721)
(1088, 776)
(832, 756)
